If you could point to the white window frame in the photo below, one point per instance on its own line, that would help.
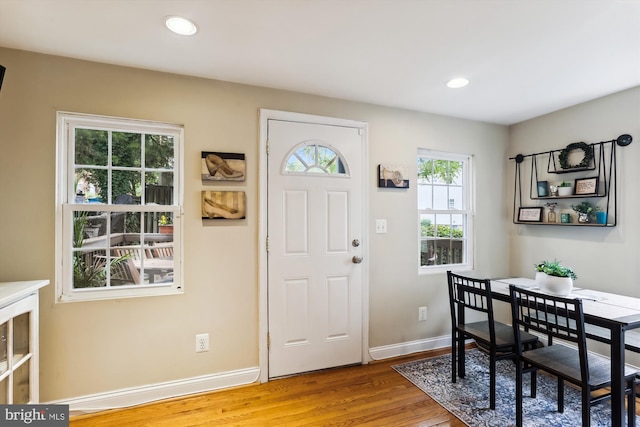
(65, 206)
(467, 211)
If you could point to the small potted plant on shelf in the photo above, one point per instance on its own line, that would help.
(601, 215)
(564, 189)
(165, 225)
(585, 210)
(554, 278)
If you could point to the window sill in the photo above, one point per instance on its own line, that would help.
(440, 269)
(112, 294)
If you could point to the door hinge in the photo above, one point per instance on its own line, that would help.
(268, 341)
(267, 244)
(267, 147)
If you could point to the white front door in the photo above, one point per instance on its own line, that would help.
(315, 274)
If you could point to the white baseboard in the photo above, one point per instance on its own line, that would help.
(139, 395)
(154, 392)
(404, 348)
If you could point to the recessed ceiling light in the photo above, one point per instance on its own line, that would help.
(457, 83)
(181, 26)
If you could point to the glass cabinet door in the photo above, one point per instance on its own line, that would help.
(19, 342)
(21, 386)
(21, 359)
(4, 351)
(4, 395)
(4, 363)
(20, 337)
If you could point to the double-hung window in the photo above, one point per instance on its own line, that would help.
(118, 208)
(444, 211)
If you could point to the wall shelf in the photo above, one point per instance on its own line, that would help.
(558, 171)
(597, 164)
(575, 224)
(567, 197)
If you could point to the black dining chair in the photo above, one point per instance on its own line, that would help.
(472, 297)
(563, 319)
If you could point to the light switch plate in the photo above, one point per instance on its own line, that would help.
(381, 226)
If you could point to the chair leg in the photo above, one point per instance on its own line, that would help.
(454, 361)
(492, 380)
(586, 406)
(461, 349)
(631, 404)
(560, 395)
(534, 382)
(518, 393)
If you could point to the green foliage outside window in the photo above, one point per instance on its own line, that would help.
(89, 271)
(428, 230)
(444, 170)
(91, 149)
(92, 160)
(315, 158)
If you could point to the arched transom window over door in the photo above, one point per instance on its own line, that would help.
(311, 157)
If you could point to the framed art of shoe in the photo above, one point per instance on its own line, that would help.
(393, 176)
(224, 205)
(222, 166)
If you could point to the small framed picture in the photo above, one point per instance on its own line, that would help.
(543, 188)
(530, 214)
(219, 167)
(393, 176)
(224, 205)
(586, 186)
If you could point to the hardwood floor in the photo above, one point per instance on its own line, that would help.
(372, 395)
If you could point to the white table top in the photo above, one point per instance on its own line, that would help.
(595, 303)
(13, 291)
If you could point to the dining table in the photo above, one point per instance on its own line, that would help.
(608, 317)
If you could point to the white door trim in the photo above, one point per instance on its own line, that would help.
(263, 318)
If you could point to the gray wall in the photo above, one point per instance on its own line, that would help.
(606, 259)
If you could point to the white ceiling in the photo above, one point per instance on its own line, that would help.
(524, 58)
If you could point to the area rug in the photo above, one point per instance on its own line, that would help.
(468, 398)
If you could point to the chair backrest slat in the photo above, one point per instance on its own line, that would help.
(468, 294)
(554, 316)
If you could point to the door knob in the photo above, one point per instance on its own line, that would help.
(356, 259)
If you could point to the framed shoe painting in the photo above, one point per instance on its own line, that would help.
(222, 166)
(224, 205)
(393, 176)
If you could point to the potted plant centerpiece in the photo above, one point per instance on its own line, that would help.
(554, 278)
(165, 225)
(586, 212)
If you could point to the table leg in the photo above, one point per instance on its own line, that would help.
(617, 377)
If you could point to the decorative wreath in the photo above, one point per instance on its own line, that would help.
(586, 161)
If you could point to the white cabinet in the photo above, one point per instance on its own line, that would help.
(19, 341)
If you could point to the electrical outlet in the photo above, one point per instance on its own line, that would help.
(422, 314)
(202, 343)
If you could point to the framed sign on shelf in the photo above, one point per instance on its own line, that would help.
(586, 186)
(530, 214)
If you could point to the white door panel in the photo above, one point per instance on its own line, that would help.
(314, 288)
